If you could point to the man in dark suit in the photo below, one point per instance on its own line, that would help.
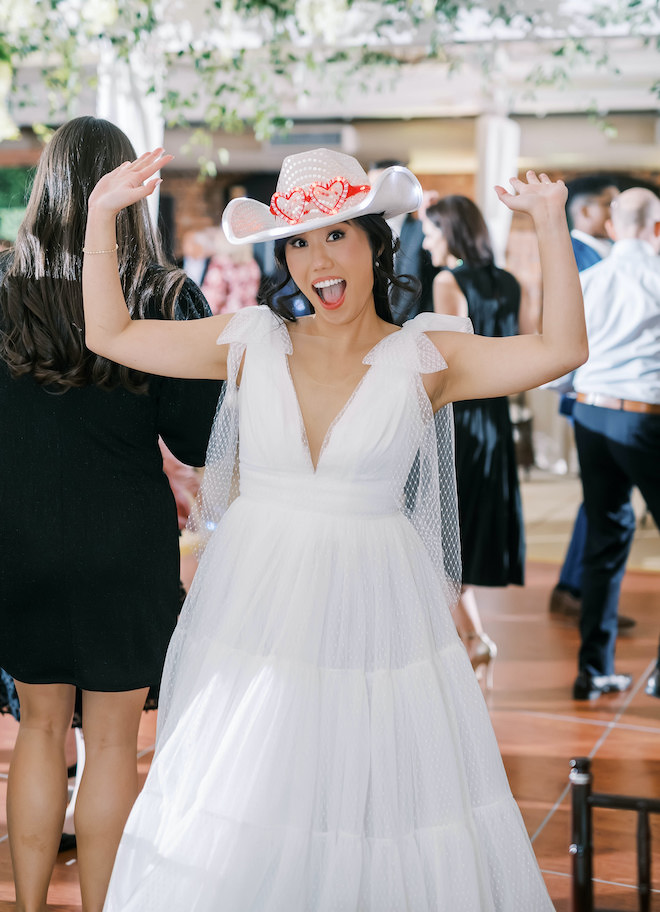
(197, 251)
(410, 259)
(588, 209)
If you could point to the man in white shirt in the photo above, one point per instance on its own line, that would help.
(617, 423)
(588, 210)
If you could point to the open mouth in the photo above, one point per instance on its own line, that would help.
(331, 292)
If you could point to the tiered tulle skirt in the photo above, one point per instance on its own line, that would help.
(320, 749)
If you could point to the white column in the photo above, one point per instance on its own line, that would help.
(498, 148)
(123, 98)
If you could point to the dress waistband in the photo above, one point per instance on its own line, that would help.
(622, 405)
(314, 493)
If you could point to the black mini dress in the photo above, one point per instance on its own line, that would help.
(89, 548)
(489, 504)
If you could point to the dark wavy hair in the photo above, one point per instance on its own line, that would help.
(383, 247)
(464, 229)
(41, 311)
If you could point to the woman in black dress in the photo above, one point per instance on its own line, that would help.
(489, 504)
(89, 577)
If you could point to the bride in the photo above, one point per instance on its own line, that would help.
(323, 745)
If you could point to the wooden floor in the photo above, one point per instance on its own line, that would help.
(538, 726)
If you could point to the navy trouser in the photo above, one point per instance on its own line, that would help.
(617, 451)
(570, 576)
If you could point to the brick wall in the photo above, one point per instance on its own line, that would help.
(197, 202)
(446, 184)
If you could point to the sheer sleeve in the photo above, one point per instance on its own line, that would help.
(425, 486)
(220, 484)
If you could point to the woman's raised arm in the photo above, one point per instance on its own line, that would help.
(480, 367)
(168, 347)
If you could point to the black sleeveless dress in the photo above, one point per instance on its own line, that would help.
(489, 504)
(89, 563)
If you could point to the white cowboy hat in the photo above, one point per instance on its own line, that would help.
(320, 188)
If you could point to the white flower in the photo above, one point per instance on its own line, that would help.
(8, 129)
(5, 78)
(99, 14)
(321, 18)
(16, 16)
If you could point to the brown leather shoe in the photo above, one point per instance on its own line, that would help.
(564, 604)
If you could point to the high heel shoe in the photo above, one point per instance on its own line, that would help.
(482, 655)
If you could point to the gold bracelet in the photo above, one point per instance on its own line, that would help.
(94, 252)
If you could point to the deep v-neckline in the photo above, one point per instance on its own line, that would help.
(328, 434)
(340, 414)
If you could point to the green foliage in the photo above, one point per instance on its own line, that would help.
(244, 56)
(14, 190)
(14, 187)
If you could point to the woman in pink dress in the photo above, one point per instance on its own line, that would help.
(232, 277)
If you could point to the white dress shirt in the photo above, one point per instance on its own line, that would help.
(194, 268)
(622, 311)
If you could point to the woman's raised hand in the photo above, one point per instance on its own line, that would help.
(128, 183)
(538, 196)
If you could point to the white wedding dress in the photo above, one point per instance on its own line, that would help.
(323, 745)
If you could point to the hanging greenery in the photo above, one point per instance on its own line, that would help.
(228, 63)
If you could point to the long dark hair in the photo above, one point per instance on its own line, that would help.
(383, 247)
(464, 229)
(41, 312)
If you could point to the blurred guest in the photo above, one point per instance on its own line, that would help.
(8, 696)
(489, 504)
(197, 252)
(232, 275)
(411, 259)
(184, 482)
(89, 580)
(617, 424)
(588, 209)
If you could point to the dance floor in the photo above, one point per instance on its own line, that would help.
(538, 726)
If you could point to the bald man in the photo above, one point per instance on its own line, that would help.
(617, 423)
